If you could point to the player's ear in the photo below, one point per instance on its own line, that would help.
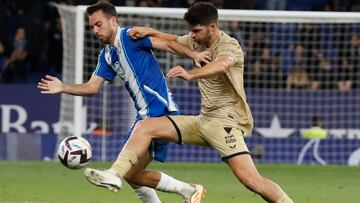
(213, 27)
(113, 21)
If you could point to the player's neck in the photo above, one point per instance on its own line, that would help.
(214, 37)
(113, 35)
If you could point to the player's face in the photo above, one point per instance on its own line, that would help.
(201, 34)
(101, 25)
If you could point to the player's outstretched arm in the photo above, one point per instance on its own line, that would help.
(176, 48)
(165, 41)
(219, 66)
(141, 32)
(52, 85)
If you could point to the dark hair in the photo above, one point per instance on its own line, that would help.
(104, 6)
(201, 13)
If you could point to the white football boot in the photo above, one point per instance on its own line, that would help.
(197, 196)
(103, 178)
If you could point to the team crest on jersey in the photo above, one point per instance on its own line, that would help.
(118, 69)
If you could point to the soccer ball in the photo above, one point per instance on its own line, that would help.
(74, 152)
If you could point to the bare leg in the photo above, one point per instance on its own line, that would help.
(162, 128)
(138, 176)
(134, 154)
(244, 169)
(144, 132)
(137, 145)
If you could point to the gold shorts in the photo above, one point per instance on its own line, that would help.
(227, 140)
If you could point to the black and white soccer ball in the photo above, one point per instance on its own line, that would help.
(74, 152)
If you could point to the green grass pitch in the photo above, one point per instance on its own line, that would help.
(50, 182)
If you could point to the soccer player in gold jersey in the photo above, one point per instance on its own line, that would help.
(225, 115)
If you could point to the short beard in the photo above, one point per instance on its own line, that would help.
(106, 40)
(206, 40)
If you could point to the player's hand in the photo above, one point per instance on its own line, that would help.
(139, 32)
(178, 71)
(202, 58)
(50, 85)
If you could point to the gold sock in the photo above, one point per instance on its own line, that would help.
(124, 162)
(284, 199)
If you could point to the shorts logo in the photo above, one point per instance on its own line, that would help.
(230, 140)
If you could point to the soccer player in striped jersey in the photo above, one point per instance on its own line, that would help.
(133, 61)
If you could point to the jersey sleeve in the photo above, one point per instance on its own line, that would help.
(184, 40)
(230, 48)
(103, 69)
(143, 43)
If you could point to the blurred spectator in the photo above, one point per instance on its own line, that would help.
(346, 75)
(299, 55)
(37, 37)
(255, 75)
(315, 133)
(298, 77)
(256, 40)
(275, 77)
(310, 40)
(2, 57)
(288, 57)
(16, 67)
(55, 49)
(327, 73)
(266, 73)
(349, 65)
(324, 76)
(354, 58)
(235, 32)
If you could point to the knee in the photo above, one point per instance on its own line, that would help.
(143, 128)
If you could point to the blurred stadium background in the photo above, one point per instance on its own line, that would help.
(301, 62)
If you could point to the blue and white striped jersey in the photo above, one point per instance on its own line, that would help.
(133, 61)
